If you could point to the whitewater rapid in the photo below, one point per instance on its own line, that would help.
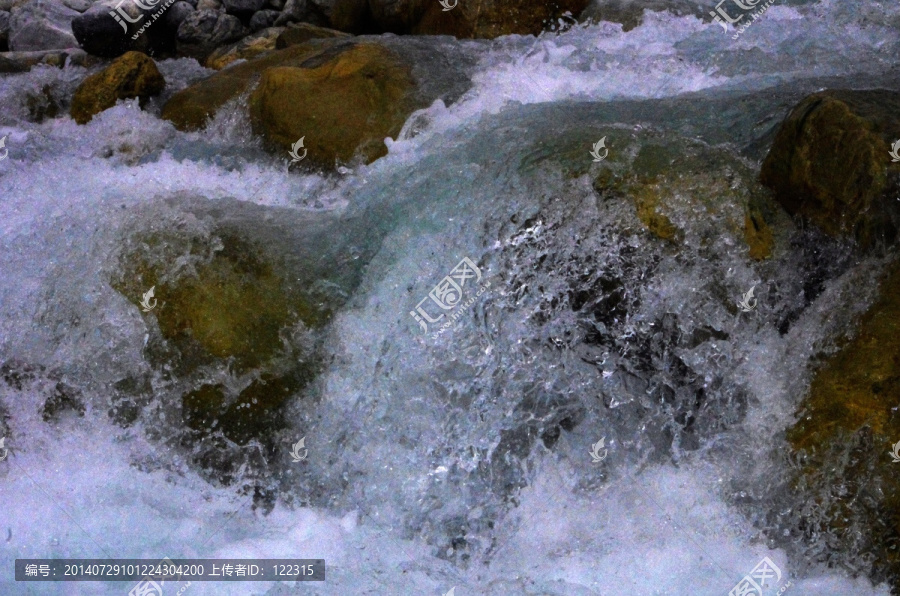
(393, 407)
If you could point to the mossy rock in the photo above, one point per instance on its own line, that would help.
(830, 163)
(846, 426)
(344, 107)
(131, 75)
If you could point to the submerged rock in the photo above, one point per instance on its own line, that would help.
(831, 164)
(846, 427)
(672, 182)
(131, 75)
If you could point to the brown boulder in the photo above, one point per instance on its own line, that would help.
(343, 96)
(191, 108)
(830, 163)
(131, 75)
(343, 107)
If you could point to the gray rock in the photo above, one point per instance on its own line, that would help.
(6, 5)
(102, 35)
(78, 5)
(263, 20)
(205, 30)
(243, 8)
(276, 4)
(177, 13)
(294, 11)
(209, 5)
(41, 25)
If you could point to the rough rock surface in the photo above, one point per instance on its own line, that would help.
(248, 48)
(131, 75)
(41, 25)
(831, 164)
(205, 30)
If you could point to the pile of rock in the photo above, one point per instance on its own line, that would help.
(195, 28)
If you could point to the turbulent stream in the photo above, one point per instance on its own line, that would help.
(461, 459)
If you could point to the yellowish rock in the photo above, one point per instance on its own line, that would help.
(344, 107)
(131, 75)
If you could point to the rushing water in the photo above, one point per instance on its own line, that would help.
(460, 459)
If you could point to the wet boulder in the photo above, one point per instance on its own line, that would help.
(344, 107)
(831, 163)
(343, 95)
(110, 28)
(129, 76)
(191, 108)
(230, 318)
(41, 25)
